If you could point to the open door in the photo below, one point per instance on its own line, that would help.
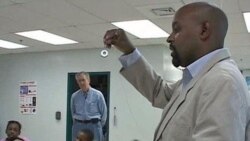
(99, 81)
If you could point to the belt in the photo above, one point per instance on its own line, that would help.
(93, 120)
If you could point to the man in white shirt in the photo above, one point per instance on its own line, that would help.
(211, 102)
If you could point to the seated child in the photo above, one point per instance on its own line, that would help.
(85, 135)
(13, 131)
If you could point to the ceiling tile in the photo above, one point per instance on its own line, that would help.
(4, 3)
(74, 33)
(236, 23)
(164, 23)
(65, 11)
(147, 10)
(100, 29)
(109, 10)
(148, 2)
(230, 6)
(28, 19)
(244, 5)
(238, 39)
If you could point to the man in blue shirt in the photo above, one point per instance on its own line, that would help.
(88, 108)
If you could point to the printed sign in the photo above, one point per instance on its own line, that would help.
(27, 99)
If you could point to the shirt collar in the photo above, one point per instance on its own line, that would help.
(87, 91)
(195, 68)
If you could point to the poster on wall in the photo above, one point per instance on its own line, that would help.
(27, 97)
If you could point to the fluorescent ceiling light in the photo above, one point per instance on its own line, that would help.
(142, 29)
(247, 20)
(10, 45)
(46, 37)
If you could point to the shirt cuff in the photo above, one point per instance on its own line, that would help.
(127, 60)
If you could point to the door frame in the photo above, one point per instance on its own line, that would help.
(69, 93)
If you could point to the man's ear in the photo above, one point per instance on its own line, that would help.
(205, 31)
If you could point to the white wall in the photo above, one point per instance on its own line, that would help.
(136, 119)
(246, 72)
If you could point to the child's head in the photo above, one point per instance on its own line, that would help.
(85, 135)
(13, 129)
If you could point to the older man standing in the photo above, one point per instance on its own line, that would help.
(88, 108)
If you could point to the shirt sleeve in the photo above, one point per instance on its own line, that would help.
(72, 108)
(103, 110)
(127, 60)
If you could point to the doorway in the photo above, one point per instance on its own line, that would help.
(99, 81)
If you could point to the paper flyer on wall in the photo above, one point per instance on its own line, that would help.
(27, 97)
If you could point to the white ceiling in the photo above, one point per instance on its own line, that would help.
(87, 20)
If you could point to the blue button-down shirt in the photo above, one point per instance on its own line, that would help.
(89, 105)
